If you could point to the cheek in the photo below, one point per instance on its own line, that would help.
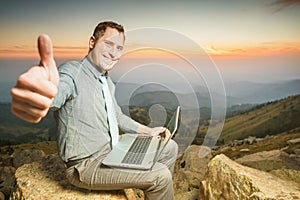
(103, 49)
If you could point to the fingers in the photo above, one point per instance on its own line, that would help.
(28, 105)
(31, 98)
(47, 61)
(27, 112)
(33, 95)
(35, 80)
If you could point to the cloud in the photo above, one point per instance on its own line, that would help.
(281, 4)
(24, 51)
(263, 49)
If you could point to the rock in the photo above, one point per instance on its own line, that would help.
(245, 150)
(226, 179)
(7, 161)
(250, 140)
(269, 160)
(46, 180)
(297, 151)
(27, 156)
(190, 171)
(7, 176)
(294, 141)
(287, 174)
(190, 195)
(2, 196)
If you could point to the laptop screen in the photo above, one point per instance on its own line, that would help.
(173, 123)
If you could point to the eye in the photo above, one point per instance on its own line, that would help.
(120, 48)
(109, 43)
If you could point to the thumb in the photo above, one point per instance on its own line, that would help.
(46, 55)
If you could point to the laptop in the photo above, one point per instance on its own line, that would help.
(136, 151)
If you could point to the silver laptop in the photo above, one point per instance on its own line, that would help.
(137, 151)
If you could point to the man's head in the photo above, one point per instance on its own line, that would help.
(101, 27)
(106, 45)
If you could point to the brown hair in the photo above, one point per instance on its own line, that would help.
(101, 27)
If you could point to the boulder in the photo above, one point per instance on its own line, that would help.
(287, 174)
(2, 196)
(45, 179)
(270, 160)
(190, 171)
(226, 179)
(250, 140)
(293, 141)
(27, 156)
(7, 180)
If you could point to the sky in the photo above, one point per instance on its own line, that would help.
(247, 40)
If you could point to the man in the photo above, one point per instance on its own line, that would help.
(76, 91)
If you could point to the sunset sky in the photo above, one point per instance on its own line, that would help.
(235, 33)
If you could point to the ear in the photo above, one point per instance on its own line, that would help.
(92, 42)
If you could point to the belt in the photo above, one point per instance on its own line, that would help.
(75, 162)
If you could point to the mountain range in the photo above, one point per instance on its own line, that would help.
(236, 93)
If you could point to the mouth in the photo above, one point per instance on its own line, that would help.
(107, 59)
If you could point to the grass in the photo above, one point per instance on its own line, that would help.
(270, 143)
(271, 118)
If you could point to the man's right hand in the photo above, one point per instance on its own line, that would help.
(35, 89)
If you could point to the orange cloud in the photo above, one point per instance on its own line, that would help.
(32, 52)
(264, 49)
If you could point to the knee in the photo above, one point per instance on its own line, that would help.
(164, 179)
(172, 148)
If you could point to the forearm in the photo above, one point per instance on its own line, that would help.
(142, 129)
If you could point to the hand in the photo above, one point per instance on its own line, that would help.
(35, 89)
(162, 131)
(156, 131)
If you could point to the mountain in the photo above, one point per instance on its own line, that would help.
(265, 119)
(14, 130)
(236, 93)
(5, 91)
(249, 92)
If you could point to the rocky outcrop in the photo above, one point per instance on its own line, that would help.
(46, 180)
(270, 160)
(190, 171)
(226, 179)
(42, 177)
(7, 180)
(27, 156)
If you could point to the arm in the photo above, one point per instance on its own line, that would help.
(129, 125)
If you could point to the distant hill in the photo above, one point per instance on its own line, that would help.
(242, 120)
(15, 131)
(237, 93)
(265, 119)
(249, 92)
(5, 91)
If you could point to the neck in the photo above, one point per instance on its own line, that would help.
(100, 69)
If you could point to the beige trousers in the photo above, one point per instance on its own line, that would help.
(157, 183)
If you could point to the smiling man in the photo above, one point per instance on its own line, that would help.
(88, 117)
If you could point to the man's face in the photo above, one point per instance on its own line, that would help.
(107, 50)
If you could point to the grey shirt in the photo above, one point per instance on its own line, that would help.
(79, 110)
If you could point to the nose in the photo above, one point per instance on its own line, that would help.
(114, 53)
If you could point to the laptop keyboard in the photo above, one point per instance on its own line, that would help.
(137, 151)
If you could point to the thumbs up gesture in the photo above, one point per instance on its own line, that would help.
(35, 90)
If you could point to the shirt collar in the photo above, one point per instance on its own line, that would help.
(93, 68)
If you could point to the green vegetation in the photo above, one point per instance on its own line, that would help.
(265, 119)
(242, 121)
(270, 143)
(16, 131)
